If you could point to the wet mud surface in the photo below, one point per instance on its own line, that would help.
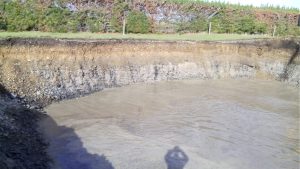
(194, 124)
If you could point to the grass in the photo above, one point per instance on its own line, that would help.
(88, 35)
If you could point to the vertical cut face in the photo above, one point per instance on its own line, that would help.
(45, 70)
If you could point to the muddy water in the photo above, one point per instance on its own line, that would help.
(220, 124)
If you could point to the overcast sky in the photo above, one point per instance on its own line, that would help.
(288, 3)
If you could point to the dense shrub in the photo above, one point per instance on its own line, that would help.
(2, 18)
(246, 25)
(56, 16)
(2, 23)
(117, 14)
(261, 28)
(56, 20)
(199, 24)
(137, 22)
(73, 25)
(17, 16)
(224, 23)
(20, 17)
(283, 28)
(94, 25)
(94, 21)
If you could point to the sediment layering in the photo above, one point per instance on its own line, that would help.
(40, 71)
(43, 70)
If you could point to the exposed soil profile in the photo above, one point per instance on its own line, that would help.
(35, 73)
(45, 70)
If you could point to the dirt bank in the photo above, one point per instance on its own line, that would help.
(39, 71)
(43, 70)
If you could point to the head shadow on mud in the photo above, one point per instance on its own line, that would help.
(176, 158)
(69, 152)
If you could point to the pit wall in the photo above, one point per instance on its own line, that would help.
(44, 70)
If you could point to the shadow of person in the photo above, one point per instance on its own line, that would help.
(176, 158)
(66, 149)
(22, 145)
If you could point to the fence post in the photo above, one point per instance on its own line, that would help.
(274, 31)
(124, 25)
(209, 28)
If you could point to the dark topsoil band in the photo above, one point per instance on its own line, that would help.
(288, 43)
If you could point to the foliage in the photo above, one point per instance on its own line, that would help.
(118, 10)
(246, 24)
(283, 28)
(18, 16)
(2, 23)
(260, 27)
(224, 23)
(54, 20)
(21, 17)
(54, 16)
(94, 21)
(198, 24)
(137, 22)
(2, 18)
(223, 5)
(94, 25)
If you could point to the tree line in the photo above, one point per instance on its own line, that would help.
(30, 15)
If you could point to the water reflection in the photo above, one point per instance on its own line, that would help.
(176, 158)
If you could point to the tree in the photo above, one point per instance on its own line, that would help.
(117, 14)
(20, 16)
(137, 22)
(2, 18)
(246, 24)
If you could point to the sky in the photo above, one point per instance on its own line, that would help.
(287, 3)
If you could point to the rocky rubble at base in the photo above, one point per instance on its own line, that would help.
(21, 145)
